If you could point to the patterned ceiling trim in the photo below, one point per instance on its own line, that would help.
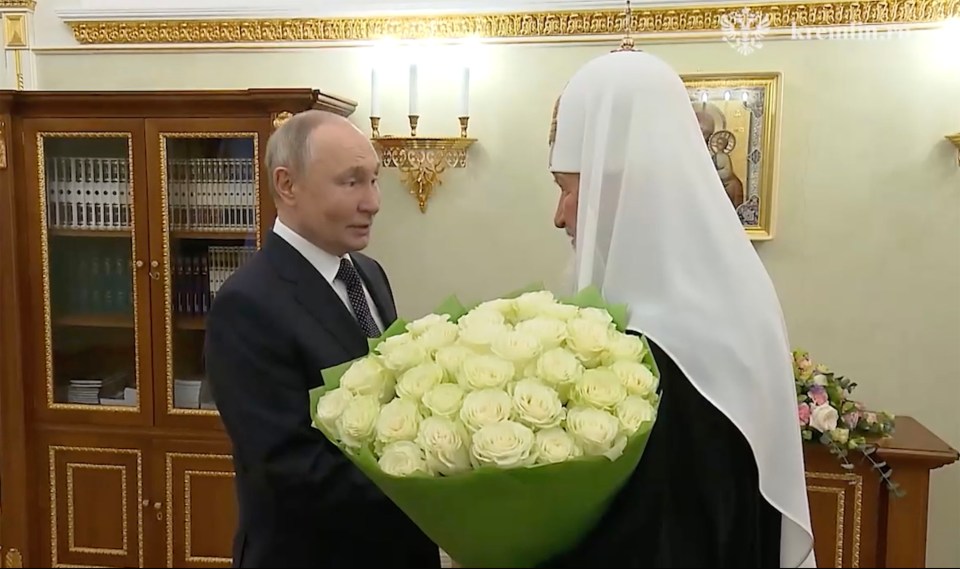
(528, 25)
(18, 4)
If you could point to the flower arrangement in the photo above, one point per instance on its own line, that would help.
(828, 414)
(514, 422)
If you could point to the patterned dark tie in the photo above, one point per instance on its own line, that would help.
(348, 274)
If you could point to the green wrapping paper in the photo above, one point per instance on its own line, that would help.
(490, 517)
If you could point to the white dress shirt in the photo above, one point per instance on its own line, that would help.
(327, 265)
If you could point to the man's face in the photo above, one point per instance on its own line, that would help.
(566, 215)
(336, 197)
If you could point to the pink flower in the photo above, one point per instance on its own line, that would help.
(871, 418)
(852, 419)
(803, 411)
(818, 394)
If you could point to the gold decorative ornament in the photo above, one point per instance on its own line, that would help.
(3, 146)
(13, 559)
(18, 4)
(14, 31)
(281, 118)
(955, 139)
(421, 161)
(626, 44)
(782, 18)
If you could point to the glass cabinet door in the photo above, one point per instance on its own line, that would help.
(211, 198)
(92, 222)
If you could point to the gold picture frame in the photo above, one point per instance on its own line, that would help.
(739, 114)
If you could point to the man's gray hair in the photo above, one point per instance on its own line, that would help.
(289, 145)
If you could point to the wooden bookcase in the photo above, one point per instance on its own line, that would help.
(120, 214)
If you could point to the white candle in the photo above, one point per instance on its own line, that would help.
(413, 91)
(374, 94)
(465, 94)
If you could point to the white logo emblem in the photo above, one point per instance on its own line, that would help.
(744, 29)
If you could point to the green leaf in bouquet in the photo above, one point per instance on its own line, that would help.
(451, 306)
(590, 297)
(398, 327)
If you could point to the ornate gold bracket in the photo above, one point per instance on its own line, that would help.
(13, 559)
(421, 161)
(955, 139)
(280, 118)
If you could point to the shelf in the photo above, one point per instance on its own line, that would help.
(209, 234)
(95, 320)
(66, 232)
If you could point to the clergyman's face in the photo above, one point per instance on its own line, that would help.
(566, 215)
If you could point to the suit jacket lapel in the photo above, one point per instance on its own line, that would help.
(378, 288)
(316, 295)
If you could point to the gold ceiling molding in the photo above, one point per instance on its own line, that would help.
(519, 25)
(18, 4)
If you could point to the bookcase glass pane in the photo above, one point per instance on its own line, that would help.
(211, 198)
(88, 209)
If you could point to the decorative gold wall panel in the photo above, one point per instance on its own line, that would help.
(518, 25)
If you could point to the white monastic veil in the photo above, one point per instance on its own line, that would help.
(656, 230)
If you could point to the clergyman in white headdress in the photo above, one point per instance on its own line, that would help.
(721, 483)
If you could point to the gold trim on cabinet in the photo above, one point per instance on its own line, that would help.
(3, 146)
(856, 481)
(188, 516)
(13, 559)
(71, 523)
(169, 472)
(839, 494)
(167, 309)
(514, 25)
(52, 454)
(45, 260)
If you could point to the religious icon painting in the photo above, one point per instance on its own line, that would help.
(739, 118)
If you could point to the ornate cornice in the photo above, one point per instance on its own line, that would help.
(517, 25)
(18, 4)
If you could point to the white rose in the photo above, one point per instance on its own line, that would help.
(481, 334)
(559, 367)
(819, 379)
(596, 431)
(439, 336)
(418, 380)
(450, 358)
(537, 405)
(403, 458)
(560, 311)
(550, 331)
(483, 371)
(532, 304)
(485, 407)
(444, 400)
(556, 445)
(517, 347)
(624, 347)
(358, 421)
(505, 307)
(487, 314)
(596, 314)
(824, 418)
(330, 406)
(634, 412)
(421, 325)
(506, 444)
(368, 376)
(446, 444)
(401, 356)
(636, 377)
(399, 421)
(588, 338)
(599, 388)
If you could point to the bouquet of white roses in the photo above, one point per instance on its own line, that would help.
(502, 431)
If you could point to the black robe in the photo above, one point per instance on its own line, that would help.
(693, 500)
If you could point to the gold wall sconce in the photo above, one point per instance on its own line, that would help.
(955, 139)
(421, 160)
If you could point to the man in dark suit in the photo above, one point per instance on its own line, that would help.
(306, 301)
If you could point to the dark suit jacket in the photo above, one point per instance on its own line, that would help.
(275, 323)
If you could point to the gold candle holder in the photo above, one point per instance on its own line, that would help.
(414, 119)
(375, 127)
(464, 121)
